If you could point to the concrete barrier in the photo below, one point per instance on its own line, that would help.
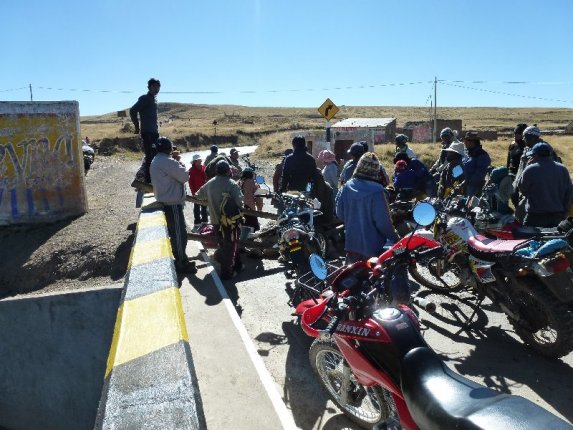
(150, 379)
(53, 350)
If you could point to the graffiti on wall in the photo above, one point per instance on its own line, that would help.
(41, 168)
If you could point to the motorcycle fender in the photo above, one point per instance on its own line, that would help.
(560, 284)
(482, 270)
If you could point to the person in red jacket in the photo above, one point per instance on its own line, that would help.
(197, 178)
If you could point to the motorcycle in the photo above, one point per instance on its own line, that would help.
(375, 365)
(89, 156)
(530, 281)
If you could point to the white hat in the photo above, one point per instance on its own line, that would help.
(457, 147)
(196, 157)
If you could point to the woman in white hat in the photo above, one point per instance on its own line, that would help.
(454, 156)
(197, 178)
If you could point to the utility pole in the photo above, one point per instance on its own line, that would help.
(31, 97)
(435, 108)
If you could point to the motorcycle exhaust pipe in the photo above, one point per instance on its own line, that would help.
(427, 305)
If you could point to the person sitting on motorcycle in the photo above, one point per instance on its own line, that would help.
(425, 182)
(404, 177)
(546, 186)
(498, 190)
(476, 164)
(362, 206)
(447, 135)
(356, 150)
(298, 168)
(454, 156)
(402, 146)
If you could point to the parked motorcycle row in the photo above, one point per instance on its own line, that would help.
(368, 353)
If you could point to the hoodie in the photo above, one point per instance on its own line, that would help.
(361, 205)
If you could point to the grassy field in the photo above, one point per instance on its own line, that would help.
(271, 128)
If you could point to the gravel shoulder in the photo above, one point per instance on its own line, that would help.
(84, 252)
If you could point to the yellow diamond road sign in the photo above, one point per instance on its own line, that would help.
(328, 109)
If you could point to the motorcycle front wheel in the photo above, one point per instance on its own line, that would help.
(365, 406)
(438, 275)
(546, 324)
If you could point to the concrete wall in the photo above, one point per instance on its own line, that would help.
(41, 162)
(53, 353)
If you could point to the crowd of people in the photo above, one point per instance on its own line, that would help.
(357, 192)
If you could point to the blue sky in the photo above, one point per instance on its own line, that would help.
(289, 53)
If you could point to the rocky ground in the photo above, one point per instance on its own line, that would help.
(89, 251)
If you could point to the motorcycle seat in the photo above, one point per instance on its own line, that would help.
(530, 232)
(487, 247)
(439, 398)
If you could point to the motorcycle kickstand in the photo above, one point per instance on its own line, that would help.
(468, 322)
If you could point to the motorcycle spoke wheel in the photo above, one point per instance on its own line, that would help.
(364, 405)
(547, 324)
(437, 275)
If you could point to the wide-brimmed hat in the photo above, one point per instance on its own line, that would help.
(457, 147)
(196, 157)
(368, 167)
(532, 130)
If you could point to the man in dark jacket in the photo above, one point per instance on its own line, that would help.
(546, 186)
(146, 107)
(515, 150)
(475, 164)
(299, 167)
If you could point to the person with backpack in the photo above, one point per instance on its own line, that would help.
(168, 178)
(225, 202)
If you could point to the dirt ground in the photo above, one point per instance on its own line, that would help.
(88, 251)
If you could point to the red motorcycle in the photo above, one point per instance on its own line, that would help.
(376, 366)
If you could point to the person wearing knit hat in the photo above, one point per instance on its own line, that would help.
(515, 150)
(330, 169)
(402, 145)
(362, 206)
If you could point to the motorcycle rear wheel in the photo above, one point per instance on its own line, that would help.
(437, 275)
(367, 406)
(547, 324)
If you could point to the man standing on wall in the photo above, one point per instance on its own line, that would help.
(146, 107)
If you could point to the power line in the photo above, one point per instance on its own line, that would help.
(505, 94)
(14, 89)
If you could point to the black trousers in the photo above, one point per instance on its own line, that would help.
(148, 141)
(550, 219)
(177, 233)
(199, 213)
(227, 253)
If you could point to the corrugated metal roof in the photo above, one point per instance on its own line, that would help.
(363, 122)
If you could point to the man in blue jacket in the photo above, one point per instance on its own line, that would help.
(362, 206)
(475, 164)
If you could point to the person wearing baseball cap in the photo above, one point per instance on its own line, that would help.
(531, 136)
(546, 187)
(197, 178)
(355, 151)
(168, 177)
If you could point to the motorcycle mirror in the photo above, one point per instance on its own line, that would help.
(457, 171)
(424, 214)
(260, 179)
(318, 266)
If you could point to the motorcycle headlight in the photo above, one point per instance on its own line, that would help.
(289, 235)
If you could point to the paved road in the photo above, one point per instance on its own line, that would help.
(488, 352)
